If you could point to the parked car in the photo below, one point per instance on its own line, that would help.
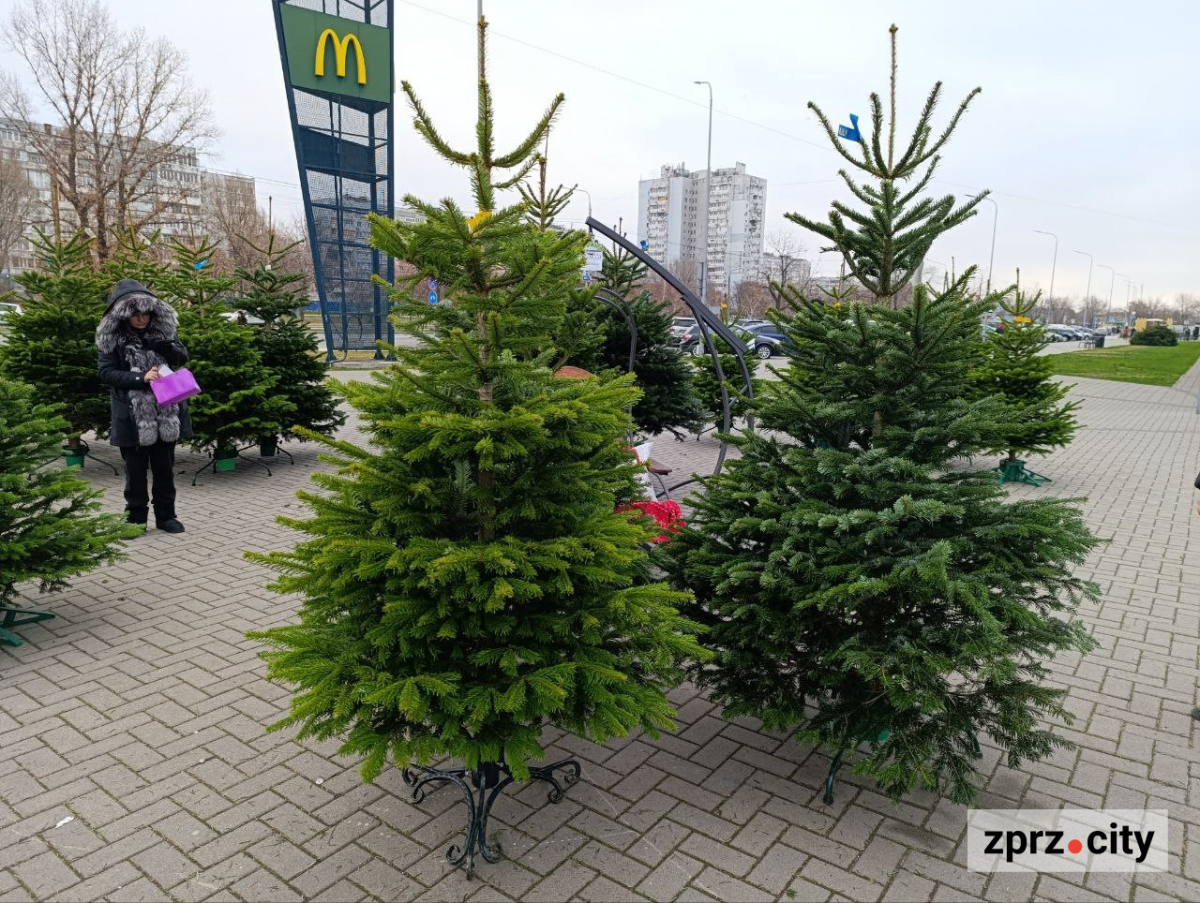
(764, 339)
(1062, 333)
(681, 325)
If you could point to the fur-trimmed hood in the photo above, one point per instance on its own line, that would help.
(128, 297)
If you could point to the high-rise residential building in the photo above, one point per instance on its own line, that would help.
(671, 220)
(181, 196)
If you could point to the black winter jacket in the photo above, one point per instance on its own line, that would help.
(121, 380)
(160, 336)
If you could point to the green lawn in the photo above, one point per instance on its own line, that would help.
(1130, 363)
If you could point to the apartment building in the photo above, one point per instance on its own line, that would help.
(184, 193)
(673, 208)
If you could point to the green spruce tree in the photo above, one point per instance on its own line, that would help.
(709, 384)
(239, 399)
(52, 345)
(1013, 369)
(862, 581)
(465, 581)
(50, 525)
(289, 349)
(669, 398)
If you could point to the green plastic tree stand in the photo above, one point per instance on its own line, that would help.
(73, 456)
(1013, 470)
(17, 617)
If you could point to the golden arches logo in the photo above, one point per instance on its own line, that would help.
(341, 46)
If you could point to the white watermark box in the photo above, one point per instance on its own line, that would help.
(1067, 840)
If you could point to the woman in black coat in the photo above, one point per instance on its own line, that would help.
(136, 338)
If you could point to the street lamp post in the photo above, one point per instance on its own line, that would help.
(992, 258)
(1091, 264)
(589, 197)
(1054, 263)
(707, 194)
(1112, 280)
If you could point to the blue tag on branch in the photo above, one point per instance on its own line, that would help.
(850, 132)
(202, 264)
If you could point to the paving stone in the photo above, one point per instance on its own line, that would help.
(670, 877)
(561, 884)
(720, 886)
(45, 875)
(141, 713)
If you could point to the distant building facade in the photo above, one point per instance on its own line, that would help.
(671, 219)
(183, 189)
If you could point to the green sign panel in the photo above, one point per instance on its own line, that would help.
(338, 56)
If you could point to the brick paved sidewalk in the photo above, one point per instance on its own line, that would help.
(138, 713)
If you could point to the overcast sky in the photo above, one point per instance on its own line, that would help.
(1087, 125)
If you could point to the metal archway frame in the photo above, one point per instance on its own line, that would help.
(708, 322)
(621, 306)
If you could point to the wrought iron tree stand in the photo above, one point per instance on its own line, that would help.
(488, 780)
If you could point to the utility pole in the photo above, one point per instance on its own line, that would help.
(1054, 263)
(707, 196)
(992, 258)
(1112, 280)
(54, 198)
(1091, 263)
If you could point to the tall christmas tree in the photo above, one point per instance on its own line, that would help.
(1013, 369)
(50, 525)
(52, 344)
(238, 400)
(288, 347)
(466, 581)
(861, 580)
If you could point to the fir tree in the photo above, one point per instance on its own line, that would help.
(1013, 369)
(466, 580)
(52, 345)
(861, 580)
(239, 400)
(50, 525)
(708, 384)
(288, 347)
(669, 399)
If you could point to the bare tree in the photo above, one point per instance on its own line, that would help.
(1187, 308)
(752, 299)
(18, 200)
(784, 265)
(126, 115)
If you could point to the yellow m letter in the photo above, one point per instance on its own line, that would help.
(341, 47)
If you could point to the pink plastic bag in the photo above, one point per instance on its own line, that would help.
(175, 387)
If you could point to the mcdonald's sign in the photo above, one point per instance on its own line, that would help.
(337, 56)
(341, 47)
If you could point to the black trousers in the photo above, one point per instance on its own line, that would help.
(158, 458)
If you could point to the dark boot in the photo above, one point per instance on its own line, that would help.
(169, 526)
(137, 515)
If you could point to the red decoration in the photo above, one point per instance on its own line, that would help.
(667, 514)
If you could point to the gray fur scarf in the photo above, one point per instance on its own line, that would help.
(153, 421)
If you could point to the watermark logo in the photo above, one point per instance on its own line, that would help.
(1067, 840)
